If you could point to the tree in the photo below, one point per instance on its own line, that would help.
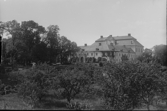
(131, 83)
(146, 56)
(67, 49)
(99, 59)
(53, 42)
(124, 57)
(40, 52)
(12, 29)
(160, 52)
(31, 32)
(34, 86)
(72, 83)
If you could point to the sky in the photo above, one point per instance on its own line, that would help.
(84, 21)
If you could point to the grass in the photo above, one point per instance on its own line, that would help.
(50, 102)
(11, 101)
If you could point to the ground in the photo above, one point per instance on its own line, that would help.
(11, 101)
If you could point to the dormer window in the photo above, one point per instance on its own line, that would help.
(99, 44)
(131, 42)
(116, 42)
(97, 49)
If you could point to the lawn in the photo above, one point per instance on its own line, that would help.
(12, 101)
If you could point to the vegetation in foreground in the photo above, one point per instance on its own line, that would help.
(125, 85)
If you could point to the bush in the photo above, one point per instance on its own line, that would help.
(79, 106)
(72, 82)
(30, 92)
(34, 86)
(129, 84)
(3, 76)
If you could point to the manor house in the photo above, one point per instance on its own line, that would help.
(112, 48)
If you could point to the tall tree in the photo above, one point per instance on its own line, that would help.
(68, 49)
(53, 42)
(12, 29)
(31, 32)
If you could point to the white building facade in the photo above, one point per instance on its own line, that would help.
(112, 48)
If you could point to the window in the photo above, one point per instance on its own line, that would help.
(131, 42)
(116, 42)
(99, 44)
(92, 54)
(96, 53)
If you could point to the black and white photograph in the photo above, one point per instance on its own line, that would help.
(83, 55)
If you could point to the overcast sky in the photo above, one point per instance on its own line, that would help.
(84, 21)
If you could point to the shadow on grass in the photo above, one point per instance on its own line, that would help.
(161, 107)
(52, 103)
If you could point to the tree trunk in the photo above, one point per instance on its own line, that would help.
(148, 104)
(68, 99)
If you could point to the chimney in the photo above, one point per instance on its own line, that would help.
(85, 44)
(101, 36)
(110, 35)
(129, 34)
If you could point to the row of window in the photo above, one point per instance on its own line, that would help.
(92, 54)
(116, 54)
(138, 50)
(116, 43)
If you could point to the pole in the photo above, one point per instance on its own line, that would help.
(0, 49)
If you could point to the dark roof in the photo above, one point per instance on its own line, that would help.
(101, 39)
(119, 38)
(123, 37)
(115, 37)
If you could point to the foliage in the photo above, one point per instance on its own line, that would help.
(99, 59)
(146, 56)
(160, 52)
(124, 57)
(128, 84)
(29, 42)
(72, 83)
(35, 85)
(75, 79)
(79, 106)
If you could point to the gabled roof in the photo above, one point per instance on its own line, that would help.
(101, 39)
(137, 43)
